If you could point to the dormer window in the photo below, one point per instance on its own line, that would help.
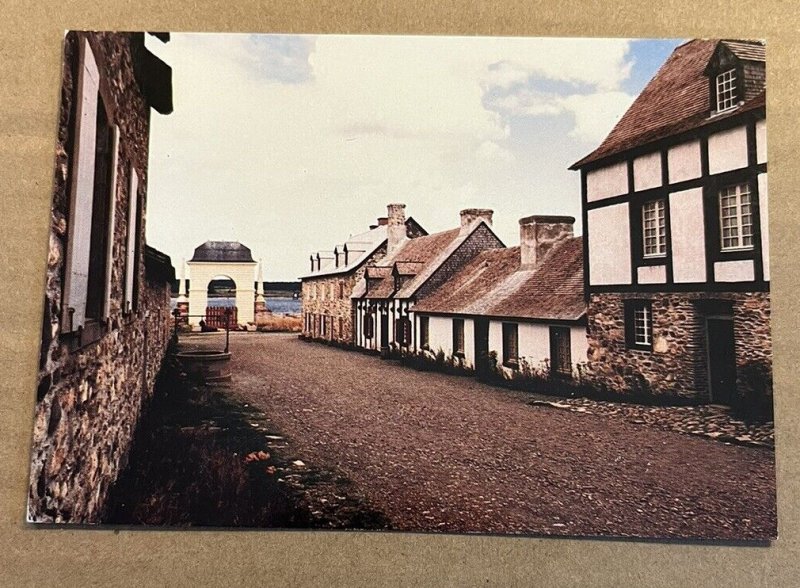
(727, 96)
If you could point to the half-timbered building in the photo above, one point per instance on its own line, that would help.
(411, 270)
(327, 289)
(675, 224)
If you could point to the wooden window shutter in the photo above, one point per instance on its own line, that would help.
(629, 329)
(130, 249)
(111, 220)
(79, 221)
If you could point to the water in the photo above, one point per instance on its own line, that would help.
(281, 305)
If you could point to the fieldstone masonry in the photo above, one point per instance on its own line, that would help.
(89, 397)
(677, 364)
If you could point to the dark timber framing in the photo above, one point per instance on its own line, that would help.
(710, 184)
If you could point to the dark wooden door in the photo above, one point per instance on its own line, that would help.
(384, 330)
(560, 354)
(721, 360)
(481, 345)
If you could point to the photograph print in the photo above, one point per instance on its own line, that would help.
(425, 284)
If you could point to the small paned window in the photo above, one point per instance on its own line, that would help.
(736, 217)
(424, 331)
(510, 344)
(403, 331)
(458, 337)
(654, 229)
(639, 324)
(726, 90)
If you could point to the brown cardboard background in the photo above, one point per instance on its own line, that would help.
(30, 55)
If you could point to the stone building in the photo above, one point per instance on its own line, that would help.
(523, 305)
(676, 238)
(411, 270)
(326, 290)
(106, 306)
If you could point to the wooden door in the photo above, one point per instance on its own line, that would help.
(481, 345)
(721, 359)
(560, 354)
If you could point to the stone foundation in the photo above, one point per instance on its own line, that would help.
(677, 365)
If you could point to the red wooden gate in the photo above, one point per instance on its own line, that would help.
(215, 316)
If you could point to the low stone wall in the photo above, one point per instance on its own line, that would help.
(677, 364)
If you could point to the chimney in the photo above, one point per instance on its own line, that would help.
(538, 234)
(470, 215)
(395, 227)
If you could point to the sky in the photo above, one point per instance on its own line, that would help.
(291, 143)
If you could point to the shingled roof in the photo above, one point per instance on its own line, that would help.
(223, 251)
(414, 253)
(493, 285)
(676, 99)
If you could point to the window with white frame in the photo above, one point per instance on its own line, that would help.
(726, 90)
(735, 217)
(654, 229)
(639, 324)
(131, 261)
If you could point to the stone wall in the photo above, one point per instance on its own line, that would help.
(330, 297)
(90, 393)
(677, 364)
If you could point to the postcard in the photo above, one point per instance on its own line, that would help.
(425, 284)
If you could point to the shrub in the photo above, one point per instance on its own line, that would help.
(754, 400)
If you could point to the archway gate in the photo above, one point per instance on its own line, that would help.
(223, 258)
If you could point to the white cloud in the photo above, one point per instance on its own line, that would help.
(289, 144)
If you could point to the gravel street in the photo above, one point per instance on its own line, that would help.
(443, 453)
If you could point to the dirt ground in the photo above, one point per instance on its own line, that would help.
(434, 452)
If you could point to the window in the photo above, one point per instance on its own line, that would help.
(458, 337)
(510, 344)
(639, 324)
(726, 90)
(341, 328)
(369, 325)
(654, 229)
(736, 218)
(341, 289)
(560, 352)
(324, 325)
(424, 332)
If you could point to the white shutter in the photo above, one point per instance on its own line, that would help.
(76, 276)
(112, 209)
(133, 230)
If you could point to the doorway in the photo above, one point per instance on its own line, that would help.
(481, 346)
(721, 345)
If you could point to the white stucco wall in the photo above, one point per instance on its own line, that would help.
(440, 336)
(652, 274)
(534, 343)
(243, 274)
(761, 141)
(687, 228)
(727, 150)
(683, 162)
(763, 205)
(647, 171)
(734, 271)
(606, 182)
(609, 245)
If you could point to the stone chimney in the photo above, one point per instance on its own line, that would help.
(470, 215)
(538, 234)
(395, 227)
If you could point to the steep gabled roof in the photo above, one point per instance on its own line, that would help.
(493, 284)
(223, 251)
(676, 99)
(359, 248)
